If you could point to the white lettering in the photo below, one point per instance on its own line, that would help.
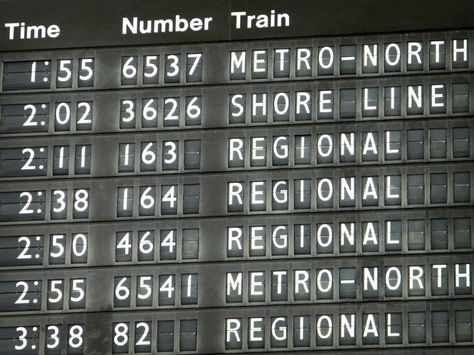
(435, 96)
(235, 189)
(232, 328)
(20, 30)
(176, 24)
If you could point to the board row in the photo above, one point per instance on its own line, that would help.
(237, 105)
(239, 150)
(279, 238)
(224, 63)
(376, 326)
(234, 284)
(147, 197)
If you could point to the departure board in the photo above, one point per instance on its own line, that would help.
(235, 176)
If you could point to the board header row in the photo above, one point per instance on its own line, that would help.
(35, 24)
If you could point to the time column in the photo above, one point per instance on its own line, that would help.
(46, 118)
